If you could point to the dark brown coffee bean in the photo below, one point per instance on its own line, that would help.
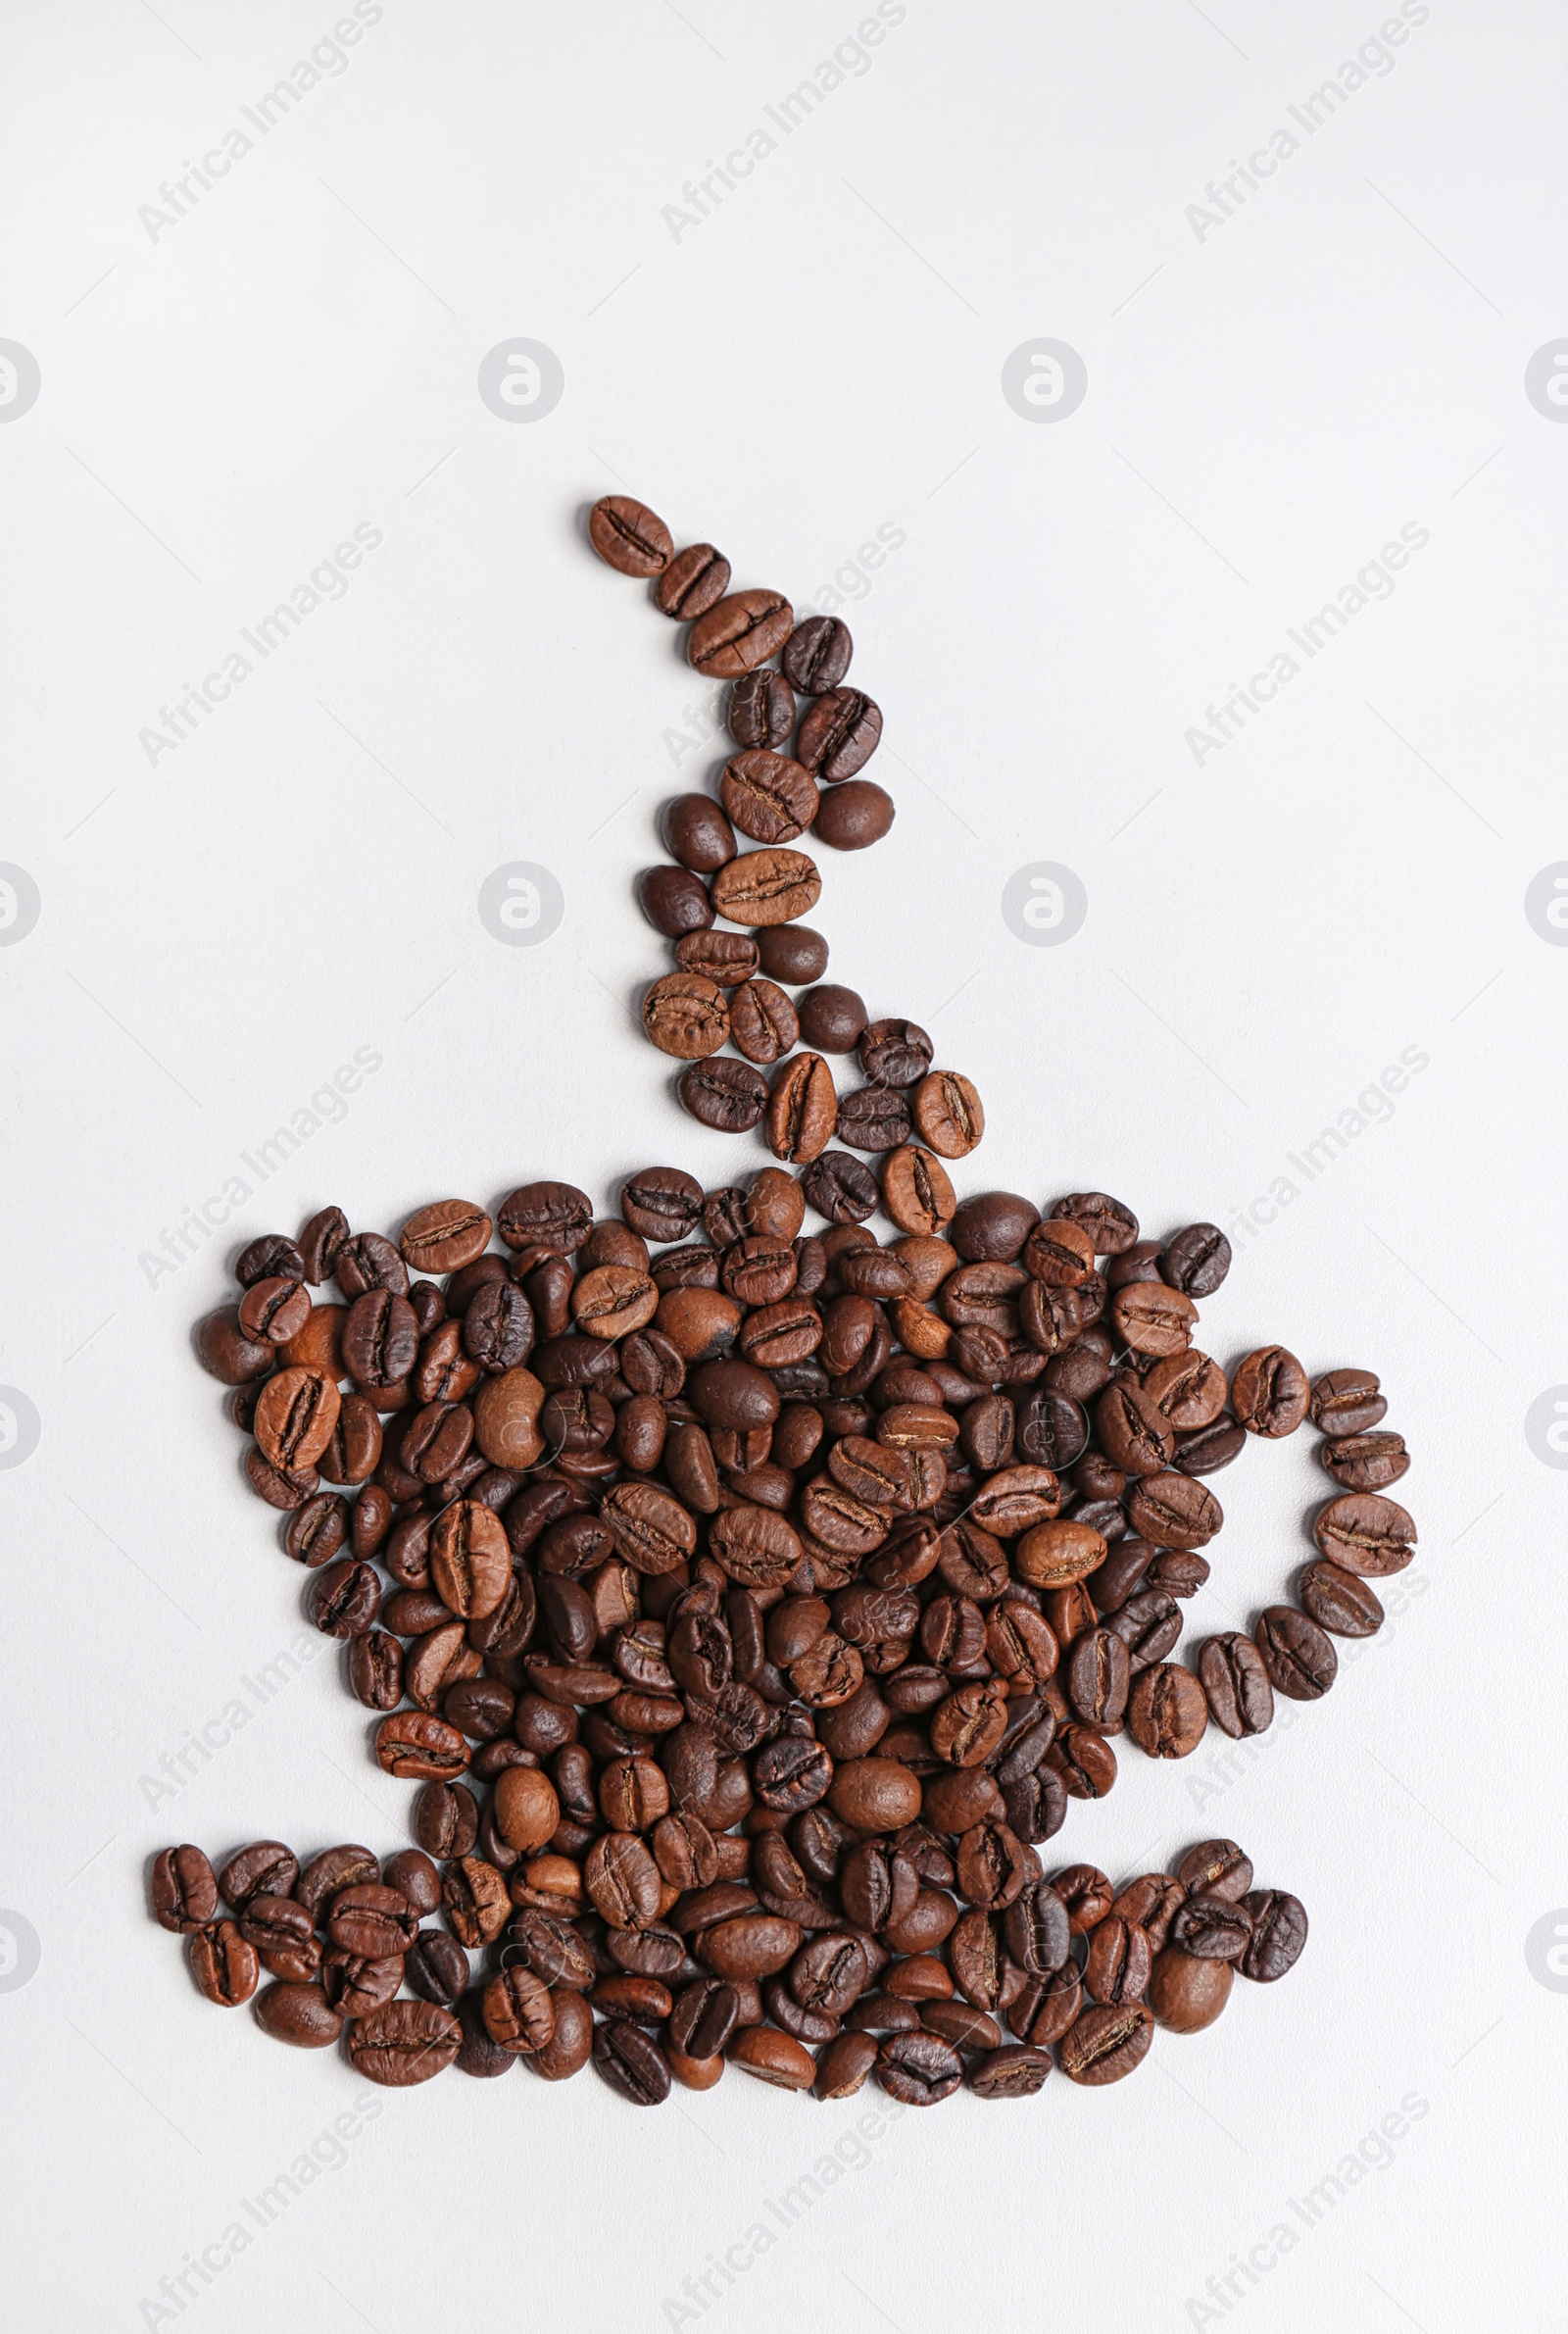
(833, 1020)
(264, 1868)
(1113, 1228)
(724, 958)
(1279, 1932)
(1300, 1662)
(1338, 1601)
(631, 2063)
(375, 1669)
(762, 709)
(628, 536)
(1365, 1534)
(1365, 1462)
(768, 797)
(1133, 1431)
(762, 1023)
(691, 583)
(662, 1203)
(1270, 1393)
(739, 632)
(299, 2014)
(1206, 1449)
(446, 1820)
(437, 1967)
(854, 814)
(345, 1599)
(1166, 1712)
(791, 953)
(1172, 1511)
(1197, 1261)
(1348, 1402)
(223, 1964)
(875, 1118)
(839, 733)
(895, 1053)
(1186, 1994)
(674, 901)
(184, 1891)
(1107, 2042)
(320, 1242)
(724, 1093)
(1149, 1625)
(839, 1187)
(1212, 1928)
(404, 2043)
(1117, 1968)
(816, 656)
(918, 2069)
(1235, 1682)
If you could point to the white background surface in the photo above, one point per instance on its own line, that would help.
(821, 358)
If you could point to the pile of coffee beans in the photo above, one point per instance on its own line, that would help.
(815, 1997)
(730, 988)
(750, 1602)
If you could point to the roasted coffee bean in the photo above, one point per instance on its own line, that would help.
(854, 815)
(1279, 1932)
(1166, 1712)
(628, 536)
(873, 1118)
(223, 1964)
(763, 1024)
(726, 958)
(1172, 1511)
(918, 2069)
(801, 1110)
(1235, 1682)
(726, 1095)
(1149, 1625)
(404, 2043)
(1186, 1994)
(1365, 1534)
(662, 1203)
(300, 2014)
(691, 581)
(762, 709)
(839, 733)
(839, 1187)
(1338, 1601)
(1113, 1228)
(895, 1053)
(739, 632)
(1196, 1259)
(1209, 1448)
(767, 796)
(1348, 1402)
(1365, 1462)
(1269, 1392)
(266, 1868)
(1300, 1662)
(674, 901)
(446, 1820)
(833, 1019)
(184, 1892)
(1107, 2042)
(1212, 1928)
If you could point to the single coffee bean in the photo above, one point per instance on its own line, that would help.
(724, 1093)
(266, 1868)
(698, 834)
(662, 1203)
(184, 1891)
(762, 709)
(674, 901)
(724, 958)
(1338, 1601)
(1348, 1402)
(1186, 1994)
(854, 814)
(1197, 1261)
(1365, 1534)
(918, 2069)
(840, 1188)
(631, 2063)
(1206, 1449)
(947, 1114)
(833, 1019)
(404, 2043)
(1166, 1712)
(628, 536)
(1279, 1932)
(1235, 1682)
(1300, 1662)
(1212, 1928)
(300, 2014)
(766, 887)
(1365, 1462)
(839, 733)
(1107, 2042)
(875, 1118)
(739, 632)
(1270, 1392)
(686, 1016)
(767, 796)
(223, 1964)
(691, 583)
(816, 656)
